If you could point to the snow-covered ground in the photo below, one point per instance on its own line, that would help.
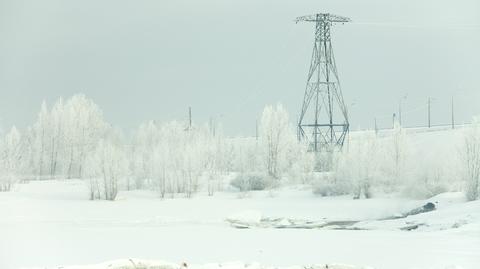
(52, 223)
(149, 264)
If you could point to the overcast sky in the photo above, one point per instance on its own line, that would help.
(141, 60)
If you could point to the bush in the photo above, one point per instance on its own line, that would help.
(423, 191)
(328, 189)
(325, 186)
(472, 191)
(252, 182)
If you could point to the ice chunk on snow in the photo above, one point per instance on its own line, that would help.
(284, 222)
(246, 217)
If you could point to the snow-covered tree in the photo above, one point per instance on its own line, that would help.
(57, 137)
(175, 158)
(106, 167)
(395, 161)
(471, 160)
(276, 135)
(302, 164)
(10, 158)
(84, 127)
(60, 139)
(42, 130)
(358, 165)
(162, 169)
(146, 142)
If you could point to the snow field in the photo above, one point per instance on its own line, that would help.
(52, 224)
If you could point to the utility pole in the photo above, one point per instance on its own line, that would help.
(400, 112)
(189, 117)
(256, 129)
(393, 122)
(212, 126)
(376, 127)
(453, 118)
(429, 101)
(400, 108)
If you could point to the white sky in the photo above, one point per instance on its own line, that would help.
(143, 60)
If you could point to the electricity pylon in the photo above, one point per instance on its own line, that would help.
(323, 121)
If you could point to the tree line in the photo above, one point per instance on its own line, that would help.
(72, 140)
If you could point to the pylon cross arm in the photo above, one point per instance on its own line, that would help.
(327, 17)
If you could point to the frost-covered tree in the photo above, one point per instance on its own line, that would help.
(276, 135)
(248, 165)
(191, 169)
(396, 156)
(29, 159)
(212, 163)
(173, 159)
(60, 139)
(146, 141)
(358, 165)
(10, 158)
(216, 160)
(57, 123)
(432, 168)
(302, 164)
(106, 167)
(471, 160)
(162, 169)
(84, 126)
(42, 131)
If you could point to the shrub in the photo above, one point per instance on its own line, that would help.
(325, 186)
(252, 182)
(423, 191)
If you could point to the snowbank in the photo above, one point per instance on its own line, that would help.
(453, 212)
(145, 264)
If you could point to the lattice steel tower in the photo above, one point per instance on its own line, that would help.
(323, 121)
